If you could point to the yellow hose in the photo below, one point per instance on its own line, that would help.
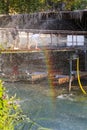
(78, 76)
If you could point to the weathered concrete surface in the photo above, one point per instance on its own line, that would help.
(61, 20)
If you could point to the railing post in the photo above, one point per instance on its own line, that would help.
(70, 76)
(51, 38)
(27, 40)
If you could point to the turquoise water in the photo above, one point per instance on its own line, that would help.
(62, 113)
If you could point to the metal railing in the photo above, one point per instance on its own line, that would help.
(14, 39)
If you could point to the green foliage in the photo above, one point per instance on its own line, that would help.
(11, 115)
(10, 112)
(79, 4)
(30, 6)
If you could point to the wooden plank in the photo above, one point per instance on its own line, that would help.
(48, 49)
(61, 79)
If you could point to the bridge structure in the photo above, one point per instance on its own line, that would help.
(14, 40)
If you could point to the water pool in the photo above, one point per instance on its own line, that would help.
(61, 113)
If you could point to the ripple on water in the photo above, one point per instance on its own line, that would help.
(68, 112)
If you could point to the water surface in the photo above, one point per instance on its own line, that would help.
(65, 112)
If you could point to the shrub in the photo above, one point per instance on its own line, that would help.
(11, 115)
